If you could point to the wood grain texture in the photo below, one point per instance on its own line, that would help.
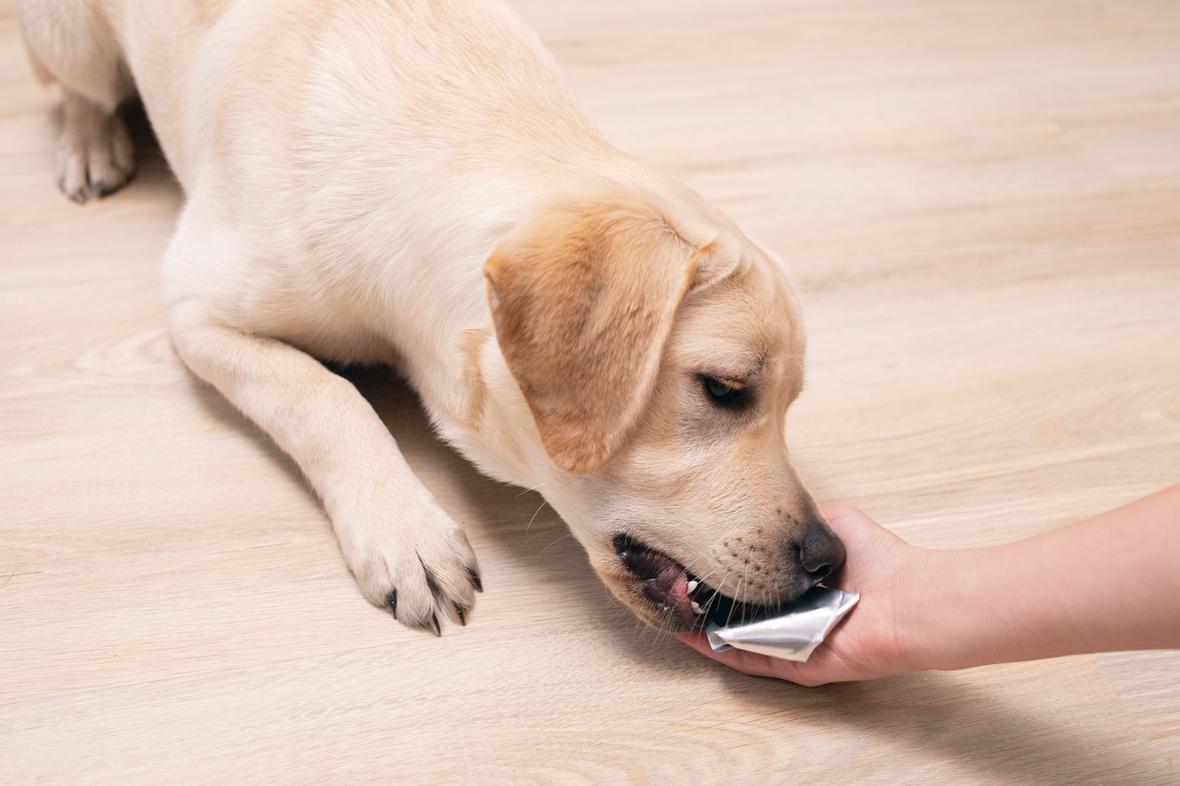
(981, 205)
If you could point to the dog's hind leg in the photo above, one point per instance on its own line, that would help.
(406, 553)
(94, 155)
(72, 43)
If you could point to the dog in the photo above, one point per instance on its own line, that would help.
(410, 182)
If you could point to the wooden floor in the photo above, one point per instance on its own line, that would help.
(981, 203)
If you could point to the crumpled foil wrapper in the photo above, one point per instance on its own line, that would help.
(793, 635)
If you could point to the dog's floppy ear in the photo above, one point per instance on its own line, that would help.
(583, 294)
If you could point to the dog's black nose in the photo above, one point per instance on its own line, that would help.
(821, 553)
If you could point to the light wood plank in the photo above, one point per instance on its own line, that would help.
(981, 205)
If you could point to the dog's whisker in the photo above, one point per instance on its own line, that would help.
(544, 502)
(703, 616)
(705, 578)
(745, 575)
(716, 594)
(555, 541)
(534, 488)
(733, 606)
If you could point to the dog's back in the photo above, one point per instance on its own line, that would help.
(471, 76)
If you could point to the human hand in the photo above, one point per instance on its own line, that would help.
(874, 640)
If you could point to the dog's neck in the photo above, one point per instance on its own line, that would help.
(497, 431)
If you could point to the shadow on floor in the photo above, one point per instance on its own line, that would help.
(943, 714)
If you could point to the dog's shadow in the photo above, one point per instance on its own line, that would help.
(515, 519)
(943, 715)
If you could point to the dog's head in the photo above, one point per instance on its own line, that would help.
(658, 349)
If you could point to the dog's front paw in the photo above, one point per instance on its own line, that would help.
(419, 566)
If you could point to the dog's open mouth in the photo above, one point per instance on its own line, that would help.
(676, 592)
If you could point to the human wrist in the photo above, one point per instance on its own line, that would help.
(934, 608)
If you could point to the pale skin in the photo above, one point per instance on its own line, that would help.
(1109, 583)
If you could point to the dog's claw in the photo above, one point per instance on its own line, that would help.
(420, 583)
(473, 574)
(431, 583)
(461, 613)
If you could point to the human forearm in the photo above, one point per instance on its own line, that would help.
(1108, 583)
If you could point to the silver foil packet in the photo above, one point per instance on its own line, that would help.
(793, 635)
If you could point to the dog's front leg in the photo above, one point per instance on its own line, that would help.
(406, 553)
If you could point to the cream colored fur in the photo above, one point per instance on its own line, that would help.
(349, 168)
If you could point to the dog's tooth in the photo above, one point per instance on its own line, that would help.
(696, 608)
(693, 585)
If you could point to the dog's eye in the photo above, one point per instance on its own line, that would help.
(724, 394)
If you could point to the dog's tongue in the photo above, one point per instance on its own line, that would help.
(664, 582)
(670, 587)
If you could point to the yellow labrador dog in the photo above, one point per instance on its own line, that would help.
(410, 182)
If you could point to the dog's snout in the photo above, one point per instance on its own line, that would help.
(821, 552)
